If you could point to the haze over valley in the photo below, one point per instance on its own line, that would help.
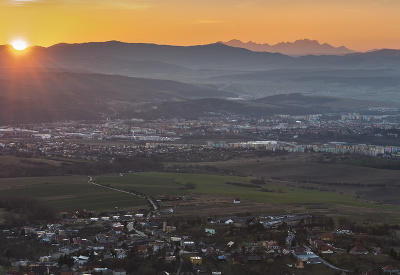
(115, 74)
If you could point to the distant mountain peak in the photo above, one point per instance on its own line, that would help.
(296, 48)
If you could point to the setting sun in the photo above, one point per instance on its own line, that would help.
(19, 44)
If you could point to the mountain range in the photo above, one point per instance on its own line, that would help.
(296, 48)
(151, 60)
(103, 79)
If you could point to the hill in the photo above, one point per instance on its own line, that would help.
(322, 104)
(215, 55)
(37, 96)
(292, 104)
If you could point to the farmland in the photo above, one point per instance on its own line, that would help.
(213, 196)
(319, 172)
(156, 184)
(70, 193)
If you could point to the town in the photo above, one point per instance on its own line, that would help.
(122, 242)
(353, 133)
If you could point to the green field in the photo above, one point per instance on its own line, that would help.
(74, 192)
(157, 183)
(70, 193)
(360, 262)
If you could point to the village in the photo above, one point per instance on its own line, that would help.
(146, 242)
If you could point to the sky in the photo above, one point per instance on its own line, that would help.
(357, 24)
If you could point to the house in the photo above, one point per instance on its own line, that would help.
(142, 249)
(170, 228)
(158, 245)
(196, 260)
(237, 261)
(187, 243)
(390, 270)
(170, 259)
(344, 231)
(222, 257)
(62, 239)
(210, 231)
(327, 237)
(45, 259)
(272, 245)
(299, 264)
(236, 200)
(40, 270)
(317, 244)
(327, 249)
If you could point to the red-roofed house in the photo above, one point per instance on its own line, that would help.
(327, 249)
(327, 237)
(299, 264)
(272, 245)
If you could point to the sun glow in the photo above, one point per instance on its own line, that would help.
(19, 44)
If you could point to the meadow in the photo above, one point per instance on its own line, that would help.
(213, 195)
(158, 183)
(70, 193)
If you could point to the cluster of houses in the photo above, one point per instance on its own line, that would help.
(121, 235)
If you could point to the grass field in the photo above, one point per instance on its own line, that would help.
(26, 162)
(360, 262)
(70, 193)
(292, 168)
(214, 195)
(299, 167)
(157, 183)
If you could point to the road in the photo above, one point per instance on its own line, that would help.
(332, 266)
(325, 262)
(154, 206)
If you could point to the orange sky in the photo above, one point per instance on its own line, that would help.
(358, 24)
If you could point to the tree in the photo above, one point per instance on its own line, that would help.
(393, 254)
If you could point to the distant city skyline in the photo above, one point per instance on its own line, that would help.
(360, 25)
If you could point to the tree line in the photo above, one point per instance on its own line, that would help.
(22, 210)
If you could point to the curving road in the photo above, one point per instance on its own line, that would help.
(154, 206)
(325, 262)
